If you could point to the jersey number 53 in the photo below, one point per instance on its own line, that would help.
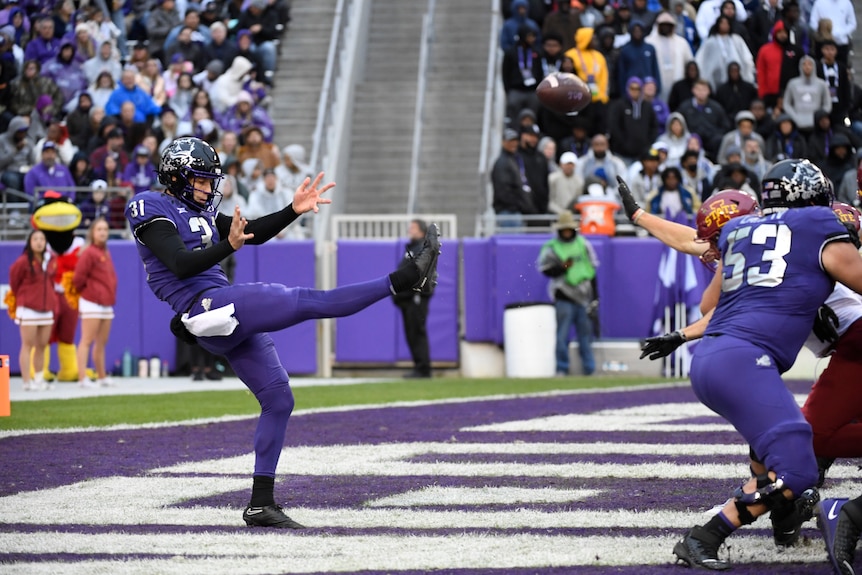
(748, 260)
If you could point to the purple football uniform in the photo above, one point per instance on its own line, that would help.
(255, 310)
(197, 230)
(773, 281)
(772, 285)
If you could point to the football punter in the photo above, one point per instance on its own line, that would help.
(181, 239)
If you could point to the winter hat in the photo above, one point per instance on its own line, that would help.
(296, 153)
(568, 158)
(665, 18)
(743, 115)
(216, 67)
(43, 102)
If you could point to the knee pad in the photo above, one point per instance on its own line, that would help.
(769, 493)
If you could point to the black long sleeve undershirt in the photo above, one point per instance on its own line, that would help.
(162, 238)
(264, 228)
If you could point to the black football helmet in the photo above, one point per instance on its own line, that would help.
(795, 184)
(186, 157)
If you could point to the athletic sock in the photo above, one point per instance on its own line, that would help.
(262, 491)
(720, 526)
(404, 278)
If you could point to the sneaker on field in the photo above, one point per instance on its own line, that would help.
(269, 516)
(87, 383)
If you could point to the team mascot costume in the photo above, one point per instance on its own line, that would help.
(58, 218)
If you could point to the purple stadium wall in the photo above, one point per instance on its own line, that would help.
(496, 272)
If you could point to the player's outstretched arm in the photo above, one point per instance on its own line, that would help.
(306, 199)
(672, 234)
(307, 196)
(664, 345)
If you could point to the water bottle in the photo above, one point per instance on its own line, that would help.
(165, 371)
(143, 367)
(155, 367)
(127, 363)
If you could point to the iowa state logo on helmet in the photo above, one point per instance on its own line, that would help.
(720, 212)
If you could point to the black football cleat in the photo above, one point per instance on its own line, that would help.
(426, 259)
(699, 549)
(840, 533)
(823, 465)
(786, 529)
(269, 516)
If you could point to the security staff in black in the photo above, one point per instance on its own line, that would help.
(414, 308)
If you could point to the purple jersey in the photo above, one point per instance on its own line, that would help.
(197, 230)
(770, 293)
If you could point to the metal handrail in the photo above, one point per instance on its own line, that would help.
(387, 226)
(495, 224)
(324, 107)
(490, 120)
(419, 113)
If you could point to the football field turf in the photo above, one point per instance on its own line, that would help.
(450, 476)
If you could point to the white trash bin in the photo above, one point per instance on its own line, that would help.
(529, 338)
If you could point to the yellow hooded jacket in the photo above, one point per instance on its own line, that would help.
(590, 65)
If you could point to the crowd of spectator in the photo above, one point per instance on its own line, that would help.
(688, 99)
(91, 92)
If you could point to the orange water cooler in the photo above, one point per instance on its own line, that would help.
(597, 215)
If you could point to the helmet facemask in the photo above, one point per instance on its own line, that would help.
(214, 195)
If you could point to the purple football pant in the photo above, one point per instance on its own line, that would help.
(262, 308)
(740, 382)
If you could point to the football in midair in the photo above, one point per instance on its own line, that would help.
(563, 93)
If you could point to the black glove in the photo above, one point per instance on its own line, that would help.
(662, 345)
(629, 203)
(826, 325)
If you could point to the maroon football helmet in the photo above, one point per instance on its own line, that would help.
(859, 181)
(716, 211)
(850, 217)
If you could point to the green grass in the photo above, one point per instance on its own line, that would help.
(137, 409)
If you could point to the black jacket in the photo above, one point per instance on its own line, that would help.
(710, 123)
(632, 127)
(536, 169)
(509, 194)
(735, 96)
(842, 106)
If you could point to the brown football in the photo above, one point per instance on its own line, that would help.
(563, 93)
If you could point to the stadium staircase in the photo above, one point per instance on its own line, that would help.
(384, 110)
(454, 107)
(301, 64)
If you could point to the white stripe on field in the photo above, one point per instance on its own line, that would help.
(278, 552)
(435, 495)
(390, 459)
(649, 417)
(151, 500)
(343, 408)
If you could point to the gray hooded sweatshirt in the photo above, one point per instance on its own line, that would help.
(805, 95)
